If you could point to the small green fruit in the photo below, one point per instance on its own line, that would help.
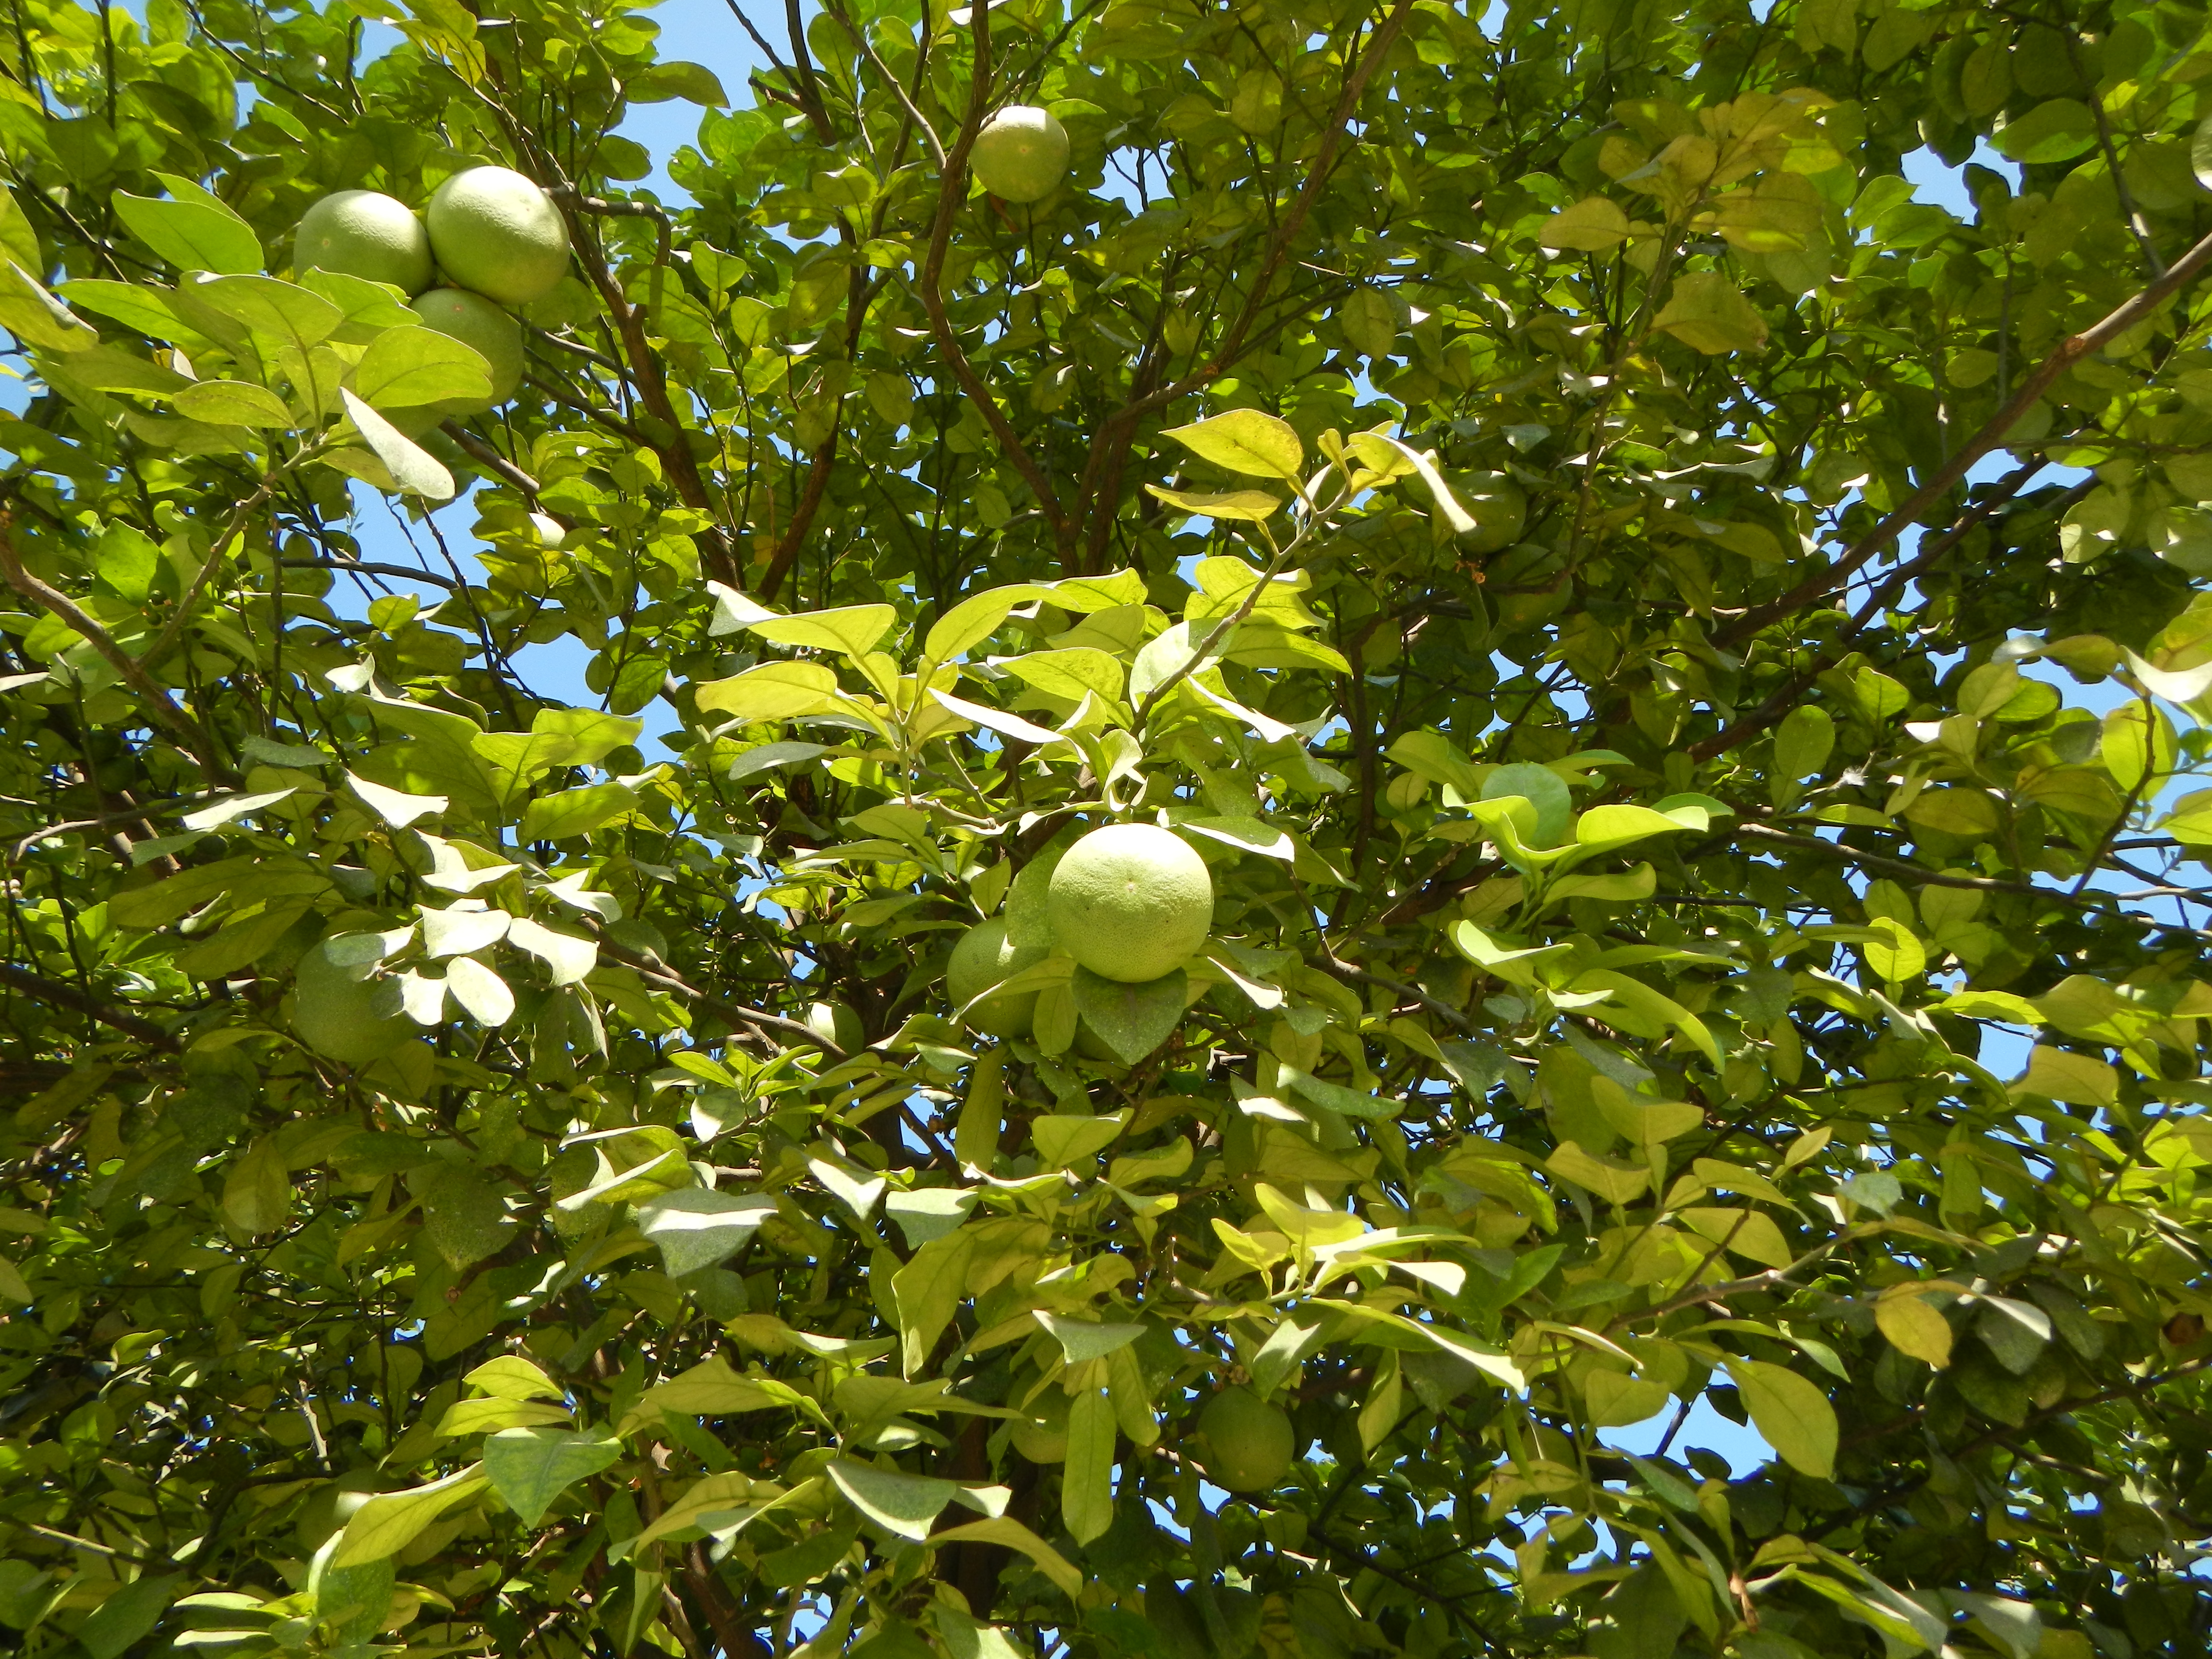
(1250, 1445)
(1021, 154)
(984, 958)
(361, 232)
(475, 322)
(497, 231)
(1130, 901)
(334, 1012)
(1499, 506)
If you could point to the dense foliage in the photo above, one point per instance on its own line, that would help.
(481, 1180)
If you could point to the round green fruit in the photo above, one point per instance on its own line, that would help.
(1130, 901)
(334, 1012)
(475, 322)
(1250, 1445)
(1021, 154)
(497, 231)
(984, 958)
(362, 232)
(1499, 506)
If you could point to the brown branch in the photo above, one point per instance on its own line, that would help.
(730, 1013)
(1920, 873)
(484, 455)
(951, 190)
(818, 469)
(1762, 718)
(186, 730)
(38, 988)
(2069, 352)
(1114, 433)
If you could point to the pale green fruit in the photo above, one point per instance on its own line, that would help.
(334, 1012)
(497, 231)
(1250, 1444)
(1499, 506)
(1130, 901)
(983, 959)
(1021, 154)
(477, 323)
(361, 232)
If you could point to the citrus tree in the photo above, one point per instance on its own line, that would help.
(1340, 763)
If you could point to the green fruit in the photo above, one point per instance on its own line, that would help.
(1021, 154)
(475, 322)
(1250, 1445)
(1130, 901)
(1499, 506)
(983, 959)
(360, 233)
(334, 1012)
(497, 231)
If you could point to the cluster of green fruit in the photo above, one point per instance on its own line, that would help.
(493, 235)
(1130, 901)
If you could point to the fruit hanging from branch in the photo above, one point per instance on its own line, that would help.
(1021, 154)
(1130, 901)
(497, 231)
(364, 233)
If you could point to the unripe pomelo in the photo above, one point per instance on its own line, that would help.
(1021, 154)
(335, 1012)
(1499, 506)
(1130, 901)
(475, 321)
(497, 231)
(1249, 1442)
(983, 959)
(361, 232)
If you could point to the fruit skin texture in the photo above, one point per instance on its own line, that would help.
(497, 231)
(364, 233)
(1130, 901)
(334, 1013)
(1498, 508)
(1021, 154)
(1249, 1444)
(983, 959)
(476, 321)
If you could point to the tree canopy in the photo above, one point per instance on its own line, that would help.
(1685, 665)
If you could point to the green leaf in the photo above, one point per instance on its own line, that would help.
(281, 313)
(1086, 1487)
(1069, 673)
(1247, 441)
(674, 78)
(902, 1504)
(575, 811)
(193, 231)
(1240, 506)
(36, 318)
(1542, 788)
(405, 368)
(1708, 312)
(975, 619)
(1064, 1143)
(773, 691)
(696, 1227)
(2056, 129)
(853, 631)
(1593, 225)
(385, 1525)
(233, 403)
(128, 1616)
(1791, 1412)
(529, 1467)
(412, 470)
(1083, 1339)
